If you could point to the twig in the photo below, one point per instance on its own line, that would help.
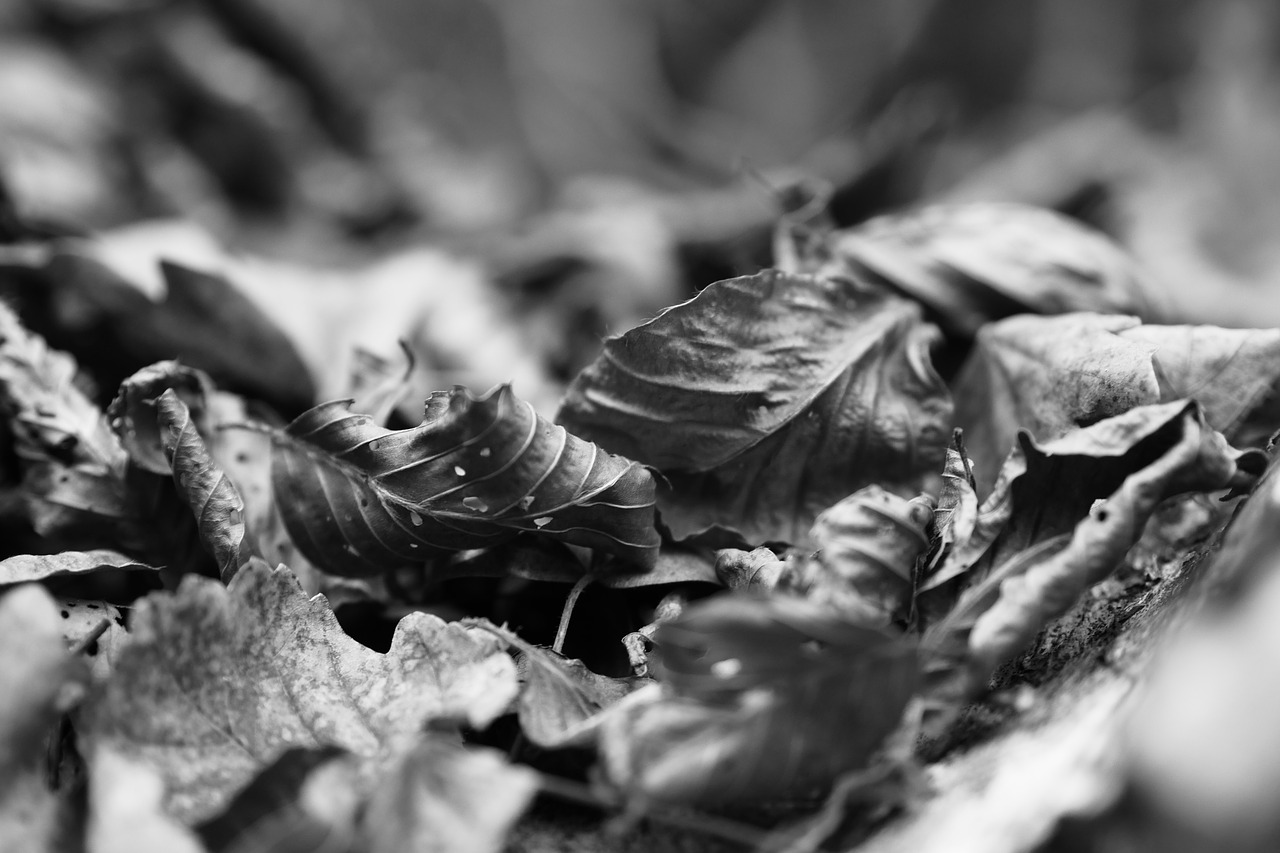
(82, 645)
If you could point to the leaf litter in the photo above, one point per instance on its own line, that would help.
(788, 561)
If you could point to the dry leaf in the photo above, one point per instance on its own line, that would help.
(974, 263)
(125, 813)
(216, 682)
(761, 699)
(867, 546)
(1049, 375)
(38, 682)
(35, 567)
(767, 398)
(1046, 555)
(441, 797)
(360, 499)
(750, 571)
(213, 498)
(956, 515)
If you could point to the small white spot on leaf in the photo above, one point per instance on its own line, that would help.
(485, 452)
(475, 504)
(415, 518)
(542, 522)
(727, 668)
(459, 470)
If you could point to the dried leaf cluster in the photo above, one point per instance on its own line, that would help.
(784, 562)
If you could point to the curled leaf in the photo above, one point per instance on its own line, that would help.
(23, 568)
(974, 263)
(216, 682)
(1058, 556)
(213, 498)
(867, 548)
(767, 398)
(762, 699)
(750, 571)
(133, 412)
(359, 499)
(1049, 375)
(956, 515)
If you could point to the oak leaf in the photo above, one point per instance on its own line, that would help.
(216, 682)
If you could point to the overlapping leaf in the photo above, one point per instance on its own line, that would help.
(1038, 546)
(358, 498)
(974, 263)
(867, 546)
(767, 398)
(23, 568)
(216, 682)
(1049, 375)
(763, 699)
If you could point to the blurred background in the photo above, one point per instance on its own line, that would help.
(532, 175)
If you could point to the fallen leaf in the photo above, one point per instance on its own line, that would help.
(442, 797)
(378, 384)
(1047, 556)
(125, 813)
(360, 499)
(72, 462)
(866, 550)
(559, 696)
(1044, 490)
(759, 570)
(1049, 375)
(38, 682)
(216, 682)
(133, 412)
(956, 515)
(213, 498)
(765, 399)
(760, 699)
(974, 263)
(24, 568)
(83, 619)
(306, 800)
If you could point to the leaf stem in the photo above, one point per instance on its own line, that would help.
(565, 615)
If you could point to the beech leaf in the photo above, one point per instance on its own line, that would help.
(974, 263)
(38, 682)
(1049, 375)
(359, 499)
(216, 682)
(767, 398)
(761, 699)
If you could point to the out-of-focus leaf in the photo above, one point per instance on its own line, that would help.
(82, 619)
(750, 571)
(38, 681)
(213, 498)
(1049, 375)
(974, 263)
(359, 499)
(378, 384)
(125, 813)
(767, 398)
(216, 682)
(306, 800)
(1202, 740)
(1047, 556)
(35, 567)
(867, 547)
(761, 699)
(442, 797)
(194, 315)
(72, 461)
